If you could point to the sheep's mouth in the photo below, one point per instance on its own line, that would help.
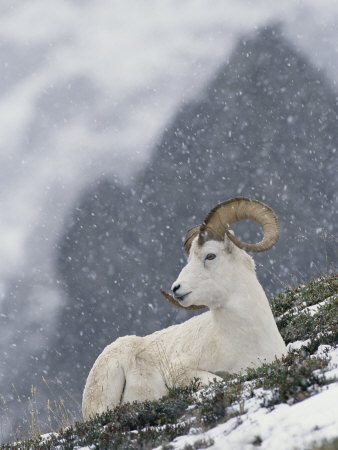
(180, 298)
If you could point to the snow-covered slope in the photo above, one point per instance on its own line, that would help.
(288, 404)
(286, 427)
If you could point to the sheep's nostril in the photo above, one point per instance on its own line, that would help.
(176, 288)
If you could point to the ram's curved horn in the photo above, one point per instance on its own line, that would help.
(174, 302)
(225, 214)
(190, 236)
(217, 224)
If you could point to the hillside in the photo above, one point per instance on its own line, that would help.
(284, 405)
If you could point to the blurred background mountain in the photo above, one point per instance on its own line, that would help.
(108, 161)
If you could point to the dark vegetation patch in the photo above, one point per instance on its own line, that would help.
(311, 293)
(199, 443)
(326, 445)
(295, 321)
(292, 379)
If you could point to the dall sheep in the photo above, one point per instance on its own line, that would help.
(237, 332)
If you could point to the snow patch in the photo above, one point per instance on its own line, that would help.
(304, 423)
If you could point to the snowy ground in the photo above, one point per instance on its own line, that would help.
(285, 427)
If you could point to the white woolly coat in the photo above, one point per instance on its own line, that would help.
(237, 332)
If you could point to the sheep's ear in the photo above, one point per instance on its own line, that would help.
(229, 245)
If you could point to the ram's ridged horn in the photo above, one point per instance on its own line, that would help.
(190, 236)
(225, 214)
(174, 302)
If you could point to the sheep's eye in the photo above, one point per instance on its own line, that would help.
(210, 256)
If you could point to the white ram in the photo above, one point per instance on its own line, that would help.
(237, 332)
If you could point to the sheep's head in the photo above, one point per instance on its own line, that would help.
(212, 247)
